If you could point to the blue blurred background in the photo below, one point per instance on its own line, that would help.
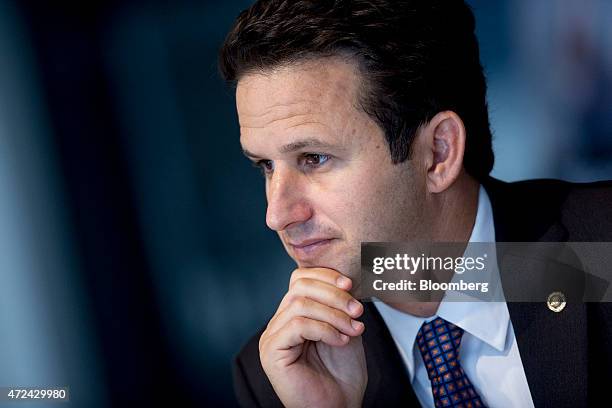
(134, 256)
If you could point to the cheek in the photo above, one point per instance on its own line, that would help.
(365, 208)
(383, 207)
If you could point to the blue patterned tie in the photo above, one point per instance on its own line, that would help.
(439, 343)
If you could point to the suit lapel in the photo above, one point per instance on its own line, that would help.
(553, 346)
(388, 382)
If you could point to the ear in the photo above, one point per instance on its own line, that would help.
(445, 146)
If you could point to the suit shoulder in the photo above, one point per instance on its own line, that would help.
(594, 188)
(585, 208)
(595, 195)
(251, 385)
(249, 353)
(587, 211)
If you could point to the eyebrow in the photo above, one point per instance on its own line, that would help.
(311, 142)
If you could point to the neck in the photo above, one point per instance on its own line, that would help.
(453, 213)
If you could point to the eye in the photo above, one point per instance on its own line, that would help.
(314, 159)
(265, 166)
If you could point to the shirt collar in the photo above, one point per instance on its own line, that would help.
(488, 321)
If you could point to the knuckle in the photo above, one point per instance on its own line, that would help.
(270, 325)
(287, 300)
(298, 323)
(284, 301)
(262, 343)
(299, 283)
(300, 303)
(296, 274)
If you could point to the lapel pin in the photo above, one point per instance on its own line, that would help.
(556, 301)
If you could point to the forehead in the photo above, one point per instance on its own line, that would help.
(291, 94)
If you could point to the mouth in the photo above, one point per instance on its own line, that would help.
(309, 249)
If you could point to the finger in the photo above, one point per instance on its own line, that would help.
(300, 329)
(328, 275)
(322, 292)
(305, 307)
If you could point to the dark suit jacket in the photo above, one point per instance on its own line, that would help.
(567, 356)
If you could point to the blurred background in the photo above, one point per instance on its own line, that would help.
(134, 256)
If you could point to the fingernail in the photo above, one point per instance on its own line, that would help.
(343, 282)
(357, 325)
(343, 337)
(354, 306)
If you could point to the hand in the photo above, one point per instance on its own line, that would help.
(311, 349)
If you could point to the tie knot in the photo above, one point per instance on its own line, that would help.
(440, 331)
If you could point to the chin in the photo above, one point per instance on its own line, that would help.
(325, 263)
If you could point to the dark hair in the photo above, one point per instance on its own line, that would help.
(417, 58)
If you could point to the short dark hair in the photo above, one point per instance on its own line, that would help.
(416, 57)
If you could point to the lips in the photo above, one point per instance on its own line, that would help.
(311, 248)
(309, 242)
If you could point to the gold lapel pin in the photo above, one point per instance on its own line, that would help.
(556, 301)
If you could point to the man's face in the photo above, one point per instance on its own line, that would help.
(330, 182)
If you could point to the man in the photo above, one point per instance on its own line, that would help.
(369, 122)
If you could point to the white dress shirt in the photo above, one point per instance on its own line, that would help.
(489, 352)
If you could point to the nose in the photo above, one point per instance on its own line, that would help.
(286, 196)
